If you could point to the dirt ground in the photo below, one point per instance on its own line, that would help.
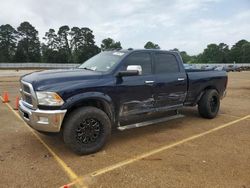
(186, 152)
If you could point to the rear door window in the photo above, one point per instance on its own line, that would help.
(166, 63)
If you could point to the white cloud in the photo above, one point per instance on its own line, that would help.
(188, 25)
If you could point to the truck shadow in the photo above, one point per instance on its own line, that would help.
(141, 132)
(119, 138)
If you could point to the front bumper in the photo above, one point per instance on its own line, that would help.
(42, 120)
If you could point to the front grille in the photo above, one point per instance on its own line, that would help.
(26, 88)
(28, 99)
(27, 93)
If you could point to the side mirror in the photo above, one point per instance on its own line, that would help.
(135, 67)
(132, 70)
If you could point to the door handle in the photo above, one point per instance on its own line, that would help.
(149, 82)
(181, 79)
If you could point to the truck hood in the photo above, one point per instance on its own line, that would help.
(55, 79)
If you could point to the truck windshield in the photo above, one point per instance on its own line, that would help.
(103, 61)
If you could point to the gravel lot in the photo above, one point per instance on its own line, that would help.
(186, 152)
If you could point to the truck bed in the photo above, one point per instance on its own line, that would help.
(197, 70)
(199, 80)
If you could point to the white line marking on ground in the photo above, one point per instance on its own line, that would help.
(70, 173)
(139, 157)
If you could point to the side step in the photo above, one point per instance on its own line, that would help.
(150, 122)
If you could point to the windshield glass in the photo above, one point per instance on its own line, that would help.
(103, 61)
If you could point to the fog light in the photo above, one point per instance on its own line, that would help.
(43, 119)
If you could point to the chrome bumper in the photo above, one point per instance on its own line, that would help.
(42, 120)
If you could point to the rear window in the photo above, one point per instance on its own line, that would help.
(166, 63)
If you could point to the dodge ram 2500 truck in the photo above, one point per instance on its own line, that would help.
(116, 89)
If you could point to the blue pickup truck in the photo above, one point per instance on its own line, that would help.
(116, 90)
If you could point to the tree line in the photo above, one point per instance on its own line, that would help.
(67, 45)
(213, 53)
(75, 45)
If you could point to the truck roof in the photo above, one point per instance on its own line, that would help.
(146, 50)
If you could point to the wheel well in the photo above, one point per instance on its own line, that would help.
(210, 87)
(203, 91)
(100, 104)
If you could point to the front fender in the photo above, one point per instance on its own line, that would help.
(79, 98)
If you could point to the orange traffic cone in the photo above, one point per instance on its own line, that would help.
(17, 103)
(5, 97)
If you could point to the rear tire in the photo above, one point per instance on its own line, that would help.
(86, 130)
(209, 104)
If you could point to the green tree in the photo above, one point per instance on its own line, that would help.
(51, 39)
(210, 54)
(185, 57)
(50, 52)
(83, 44)
(214, 54)
(194, 59)
(151, 45)
(224, 53)
(77, 38)
(245, 58)
(28, 48)
(237, 51)
(73, 45)
(64, 44)
(8, 38)
(110, 44)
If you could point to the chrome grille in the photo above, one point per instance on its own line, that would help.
(26, 88)
(28, 94)
(28, 99)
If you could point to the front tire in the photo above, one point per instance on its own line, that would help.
(86, 130)
(209, 104)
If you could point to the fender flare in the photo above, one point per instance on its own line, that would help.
(203, 91)
(98, 96)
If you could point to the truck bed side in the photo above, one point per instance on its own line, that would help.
(199, 81)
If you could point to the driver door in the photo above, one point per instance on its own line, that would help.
(136, 92)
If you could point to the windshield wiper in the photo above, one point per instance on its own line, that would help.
(88, 69)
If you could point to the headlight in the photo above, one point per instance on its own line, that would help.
(49, 99)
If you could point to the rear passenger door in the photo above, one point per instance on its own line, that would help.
(171, 82)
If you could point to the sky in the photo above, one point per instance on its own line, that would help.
(188, 25)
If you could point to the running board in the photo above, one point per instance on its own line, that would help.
(150, 122)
